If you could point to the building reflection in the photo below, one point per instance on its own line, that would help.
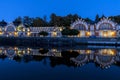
(102, 57)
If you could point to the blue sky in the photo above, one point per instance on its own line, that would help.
(10, 9)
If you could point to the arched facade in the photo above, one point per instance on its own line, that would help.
(105, 57)
(80, 59)
(10, 30)
(14, 31)
(106, 28)
(83, 28)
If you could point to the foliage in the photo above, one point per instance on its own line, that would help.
(17, 21)
(43, 51)
(27, 21)
(56, 20)
(70, 32)
(3, 23)
(43, 33)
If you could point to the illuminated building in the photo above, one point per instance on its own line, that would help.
(105, 28)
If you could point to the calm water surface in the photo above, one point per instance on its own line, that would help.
(18, 63)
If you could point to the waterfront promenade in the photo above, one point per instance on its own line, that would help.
(57, 41)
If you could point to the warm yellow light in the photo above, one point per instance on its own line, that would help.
(79, 35)
(15, 48)
(54, 50)
(23, 51)
(88, 33)
(105, 33)
(88, 51)
(16, 33)
(112, 52)
(113, 33)
(28, 48)
(60, 29)
(23, 29)
(0, 50)
(54, 34)
(28, 29)
(108, 52)
(1, 32)
(28, 33)
(104, 51)
(28, 52)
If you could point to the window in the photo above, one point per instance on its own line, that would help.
(80, 27)
(105, 26)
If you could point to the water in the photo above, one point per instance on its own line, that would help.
(18, 63)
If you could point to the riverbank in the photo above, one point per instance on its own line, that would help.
(64, 41)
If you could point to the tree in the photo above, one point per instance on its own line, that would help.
(88, 20)
(56, 20)
(103, 16)
(66, 32)
(43, 33)
(97, 18)
(45, 23)
(70, 32)
(3, 23)
(74, 32)
(27, 21)
(17, 21)
(53, 19)
(38, 22)
(43, 51)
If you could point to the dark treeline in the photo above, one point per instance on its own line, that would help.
(55, 20)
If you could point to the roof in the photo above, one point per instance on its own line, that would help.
(48, 29)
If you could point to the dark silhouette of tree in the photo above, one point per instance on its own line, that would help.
(103, 16)
(27, 21)
(70, 32)
(17, 21)
(97, 18)
(53, 19)
(3, 23)
(43, 33)
(38, 22)
(115, 18)
(88, 20)
(43, 51)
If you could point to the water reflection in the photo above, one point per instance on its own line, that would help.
(103, 58)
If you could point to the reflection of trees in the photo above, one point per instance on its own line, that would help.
(38, 58)
(43, 51)
(3, 56)
(64, 60)
(60, 61)
(27, 58)
(17, 58)
(69, 54)
(67, 58)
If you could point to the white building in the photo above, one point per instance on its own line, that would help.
(104, 28)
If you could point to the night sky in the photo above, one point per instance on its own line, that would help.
(10, 9)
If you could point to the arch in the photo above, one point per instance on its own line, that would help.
(10, 28)
(10, 52)
(105, 24)
(80, 59)
(104, 61)
(79, 25)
